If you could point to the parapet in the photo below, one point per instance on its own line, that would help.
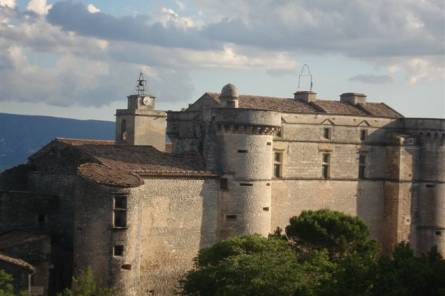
(247, 120)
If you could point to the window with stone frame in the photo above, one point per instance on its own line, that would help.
(363, 134)
(362, 166)
(118, 250)
(327, 133)
(120, 211)
(278, 164)
(326, 166)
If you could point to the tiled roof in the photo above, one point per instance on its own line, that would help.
(18, 237)
(123, 165)
(288, 105)
(18, 262)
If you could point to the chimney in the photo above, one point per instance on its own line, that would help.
(353, 98)
(306, 96)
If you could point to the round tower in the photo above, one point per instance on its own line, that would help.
(245, 139)
(431, 229)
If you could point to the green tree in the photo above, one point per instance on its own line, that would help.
(85, 285)
(404, 274)
(246, 265)
(336, 232)
(6, 288)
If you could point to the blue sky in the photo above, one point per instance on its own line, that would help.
(80, 59)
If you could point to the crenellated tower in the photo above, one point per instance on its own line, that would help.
(245, 150)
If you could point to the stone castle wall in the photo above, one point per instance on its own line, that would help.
(179, 217)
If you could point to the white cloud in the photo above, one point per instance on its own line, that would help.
(92, 9)
(39, 7)
(8, 3)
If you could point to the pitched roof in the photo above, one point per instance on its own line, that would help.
(18, 262)
(288, 105)
(19, 237)
(123, 165)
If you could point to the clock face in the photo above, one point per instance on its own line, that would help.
(147, 101)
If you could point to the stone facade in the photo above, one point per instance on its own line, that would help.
(238, 165)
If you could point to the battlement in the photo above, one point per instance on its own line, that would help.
(234, 117)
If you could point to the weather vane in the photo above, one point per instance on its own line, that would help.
(141, 84)
(305, 72)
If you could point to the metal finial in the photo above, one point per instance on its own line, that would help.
(305, 71)
(141, 84)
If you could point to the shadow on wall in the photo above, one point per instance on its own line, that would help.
(209, 220)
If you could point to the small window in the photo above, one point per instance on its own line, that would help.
(363, 135)
(430, 185)
(118, 250)
(279, 133)
(438, 233)
(278, 165)
(326, 159)
(41, 219)
(327, 133)
(120, 218)
(266, 209)
(242, 151)
(123, 134)
(120, 211)
(231, 217)
(245, 184)
(362, 166)
(120, 202)
(269, 143)
(224, 184)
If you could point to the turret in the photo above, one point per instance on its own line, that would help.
(245, 165)
(431, 228)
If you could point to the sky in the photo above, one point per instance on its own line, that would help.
(80, 59)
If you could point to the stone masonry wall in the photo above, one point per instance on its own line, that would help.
(302, 185)
(179, 218)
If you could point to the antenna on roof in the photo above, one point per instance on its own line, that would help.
(305, 72)
(141, 84)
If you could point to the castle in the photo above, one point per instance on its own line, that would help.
(237, 164)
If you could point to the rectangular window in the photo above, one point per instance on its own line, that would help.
(120, 202)
(242, 151)
(224, 184)
(326, 165)
(118, 250)
(245, 184)
(41, 219)
(363, 135)
(278, 165)
(231, 217)
(327, 133)
(120, 211)
(362, 166)
(266, 209)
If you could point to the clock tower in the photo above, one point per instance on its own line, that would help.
(140, 123)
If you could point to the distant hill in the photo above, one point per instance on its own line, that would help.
(22, 135)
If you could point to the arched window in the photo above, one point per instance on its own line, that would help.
(123, 135)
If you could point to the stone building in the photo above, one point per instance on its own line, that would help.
(239, 164)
